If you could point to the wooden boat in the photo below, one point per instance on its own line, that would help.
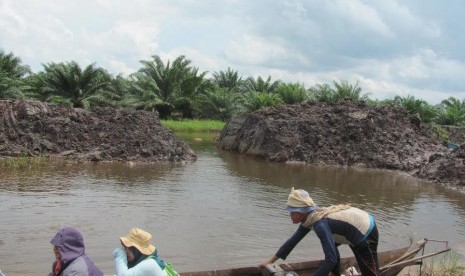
(391, 263)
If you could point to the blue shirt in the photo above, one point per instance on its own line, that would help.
(325, 229)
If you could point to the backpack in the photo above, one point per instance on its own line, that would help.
(167, 267)
(170, 270)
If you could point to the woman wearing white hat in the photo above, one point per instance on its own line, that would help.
(138, 257)
(334, 225)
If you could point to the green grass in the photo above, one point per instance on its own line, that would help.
(194, 125)
(445, 265)
(23, 162)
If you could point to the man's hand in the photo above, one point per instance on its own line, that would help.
(263, 264)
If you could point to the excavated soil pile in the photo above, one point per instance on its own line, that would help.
(30, 128)
(448, 169)
(348, 134)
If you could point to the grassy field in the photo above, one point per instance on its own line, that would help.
(194, 125)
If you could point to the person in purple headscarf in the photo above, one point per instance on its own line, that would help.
(71, 258)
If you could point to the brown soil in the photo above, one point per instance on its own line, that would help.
(448, 169)
(31, 128)
(347, 134)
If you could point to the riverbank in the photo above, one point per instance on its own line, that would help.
(346, 134)
(34, 128)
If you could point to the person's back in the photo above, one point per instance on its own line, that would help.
(77, 267)
(333, 225)
(348, 224)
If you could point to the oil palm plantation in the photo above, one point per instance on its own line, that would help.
(193, 85)
(292, 93)
(217, 103)
(13, 88)
(346, 91)
(228, 80)
(68, 83)
(169, 87)
(451, 112)
(341, 91)
(13, 77)
(253, 101)
(322, 93)
(260, 85)
(415, 106)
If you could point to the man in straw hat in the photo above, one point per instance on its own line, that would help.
(138, 257)
(334, 225)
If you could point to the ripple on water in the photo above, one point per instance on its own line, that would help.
(223, 210)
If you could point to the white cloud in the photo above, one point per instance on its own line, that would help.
(257, 51)
(388, 46)
(357, 14)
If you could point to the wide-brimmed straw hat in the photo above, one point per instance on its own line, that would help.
(300, 201)
(140, 239)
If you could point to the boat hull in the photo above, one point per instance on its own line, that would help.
(304, 268)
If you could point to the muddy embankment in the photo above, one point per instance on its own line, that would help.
(346, 134)
(34, 128)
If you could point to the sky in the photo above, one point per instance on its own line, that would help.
(388, 47)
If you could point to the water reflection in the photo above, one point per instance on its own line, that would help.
(222, 210)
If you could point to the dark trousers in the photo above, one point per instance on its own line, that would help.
(366, 254)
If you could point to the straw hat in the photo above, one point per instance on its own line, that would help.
(300, 201)
(140, 240)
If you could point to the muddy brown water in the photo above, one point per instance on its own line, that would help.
(223, 210)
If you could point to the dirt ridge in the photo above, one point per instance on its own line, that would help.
(345, 134)
(32, 128)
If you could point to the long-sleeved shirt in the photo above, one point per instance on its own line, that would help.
(148, 267)
(349, 226)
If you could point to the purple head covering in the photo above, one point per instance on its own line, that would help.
(70, 243)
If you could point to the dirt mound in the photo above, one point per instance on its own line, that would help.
(447, 168)
(348, 134)
(30, 128)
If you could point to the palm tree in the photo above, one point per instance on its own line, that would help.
(68, 83)
(322, 93)
(451, 112)
(341, 91)
(253, 101)
(260, 85)
(123, 88)
(158, 83)
(346, 91)
(217, 103)
(13, 76)
(292, 93)
(191, 87)
(228, 79)
(170, 87)
(12, 66)
(12, 88)
(417, 107)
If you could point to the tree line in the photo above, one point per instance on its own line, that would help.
(177, 89)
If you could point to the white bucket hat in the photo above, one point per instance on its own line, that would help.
(300, 201)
